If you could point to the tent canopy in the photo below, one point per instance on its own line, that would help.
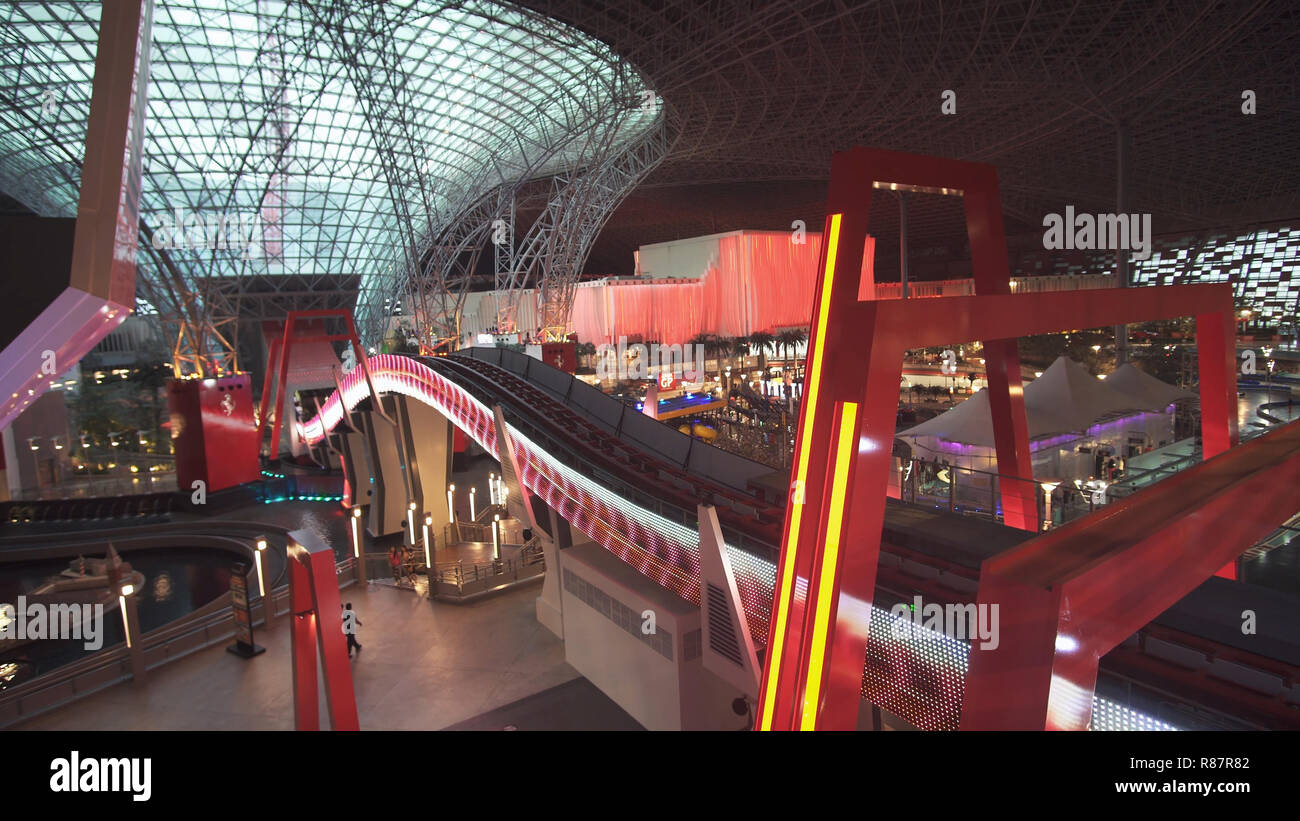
(1066, 398)
(1154, 394)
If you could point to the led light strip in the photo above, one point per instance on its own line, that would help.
(790, 551)
(844, 450)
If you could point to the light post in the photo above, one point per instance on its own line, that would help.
(473, 512)
(131, 624)
(127, 589)
(356, 544)
(492, 488)
(410, 522)
(267, 609)
(496, 538)
(451, 504)
(1049, 488)
(428, 542)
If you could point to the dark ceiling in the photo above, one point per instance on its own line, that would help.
(761, 95)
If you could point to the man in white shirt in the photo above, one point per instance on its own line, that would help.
(350, 625)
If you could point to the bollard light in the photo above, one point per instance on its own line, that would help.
(496, 538)
(473, 513)
(428, 558)
(257, 559)
(410, 520)
(356, 532)
(451, 506)
(127, 589)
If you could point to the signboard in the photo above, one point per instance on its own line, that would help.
(244, 645)
(562, 356)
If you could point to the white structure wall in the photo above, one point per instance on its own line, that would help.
(659, 679)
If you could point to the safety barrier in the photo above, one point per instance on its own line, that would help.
(460, 581)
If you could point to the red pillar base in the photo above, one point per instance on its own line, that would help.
(214, 437)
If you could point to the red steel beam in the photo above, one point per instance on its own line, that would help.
(317, 623)
(273, 391)
(831, 541)
(1070, 596)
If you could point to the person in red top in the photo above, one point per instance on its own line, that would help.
(395, 559)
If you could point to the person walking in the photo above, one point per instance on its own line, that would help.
(350, 625)
(395, 561)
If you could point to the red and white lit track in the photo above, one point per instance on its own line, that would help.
(917, 679)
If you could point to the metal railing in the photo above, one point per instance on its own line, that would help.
(211, 624)
(979, 492)
(1019, 285)
(459, 579)
(76, 486)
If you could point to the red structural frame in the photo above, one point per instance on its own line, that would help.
(278, 365)
(1070, 596)
(831, 543)
(314, 610)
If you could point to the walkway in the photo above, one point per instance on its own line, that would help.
(425, 666)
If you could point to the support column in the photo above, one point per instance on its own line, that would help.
(902, 240)
(356, 468)
(318, 625)
(1216, 348)
(550, 605)
(99, 292)
(988, 250)
(425, 436)
(728, 647)
(388, 488)
(519, 502)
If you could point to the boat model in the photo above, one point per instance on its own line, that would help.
(89, 581)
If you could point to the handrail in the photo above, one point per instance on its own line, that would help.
(459, 574)
(212, 623)
(58, 545)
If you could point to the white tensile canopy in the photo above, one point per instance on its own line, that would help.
(1155, 394)
(1066, 398)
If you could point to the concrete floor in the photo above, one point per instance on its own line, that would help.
(574, 705)
(425, 666)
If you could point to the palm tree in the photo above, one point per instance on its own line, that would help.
(704, 341)
(790, 339)
(739, 347)
(717, 348)
(762, 342)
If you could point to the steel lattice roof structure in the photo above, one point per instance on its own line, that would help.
(385, 140)
(765, 92)
(335, 147)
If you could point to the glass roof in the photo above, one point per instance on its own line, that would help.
(302, 138)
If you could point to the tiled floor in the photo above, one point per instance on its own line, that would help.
(425, 665)
(574, 705)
